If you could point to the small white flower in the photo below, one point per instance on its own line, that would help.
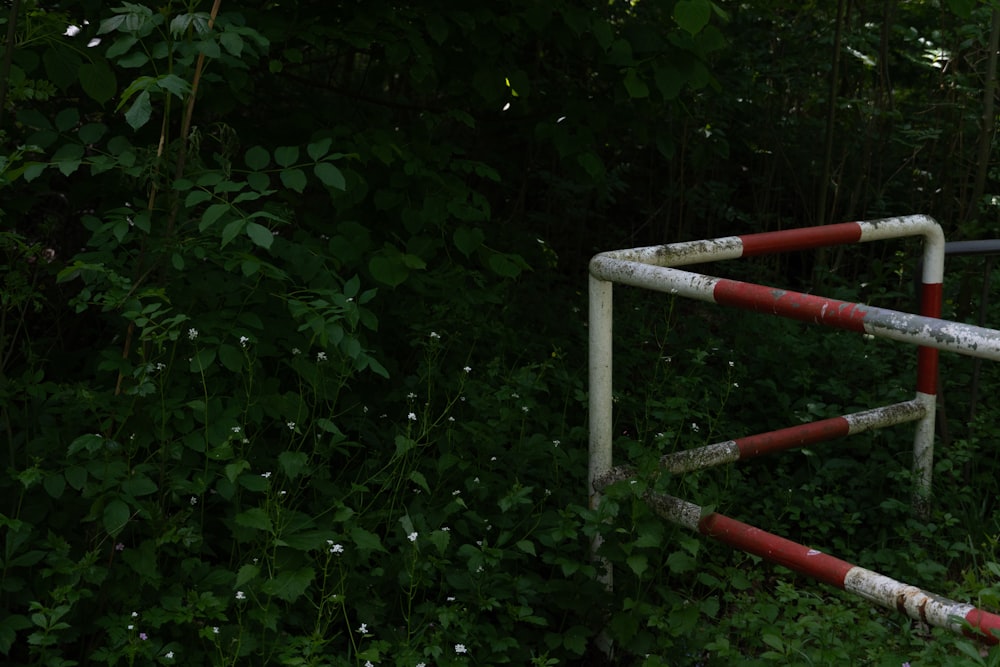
(694, 427)
(412, 416)
(451, 419)
(131, 627)
(266, 475)
(412, 536)
(295, 351)
(421, 664)
(411, 396)
(456, 492)
(169, 655)
(291, 426)
(732, 363)
(194, 500)
(368, 663)
(467, 369)
(435, 335)
(135, 614)
(215, 629)
(445, 529)
(493, 458)
(460, 648)
(515, 395)
(192, 333)
(524, 409)
(736, 385)
(235, 429)
(160, 365)
(450, 598)
(363, 628)
(243, 341)
(240, 595)
(321, 356)
(335, 548)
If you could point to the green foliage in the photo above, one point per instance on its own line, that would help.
(292, 346)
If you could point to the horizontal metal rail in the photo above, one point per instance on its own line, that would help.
(872, 586)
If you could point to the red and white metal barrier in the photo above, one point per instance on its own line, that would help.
(653, 268)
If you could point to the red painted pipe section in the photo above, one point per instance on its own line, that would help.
(800, 239)
(776, 549)
(793, 436)
(794, 305)
(836, 572)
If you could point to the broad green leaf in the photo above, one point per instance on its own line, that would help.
(232, 42)
(286, 156)
(260, 234)
(293, 463)
(246, 573)
(255, 517)
(366, 541)
(139, 485)
(91, 442)
(67, 119)
(203, 360)
(257, 158)
(318, 149)
(330, 175)
(527, 546)
(468, 240)
(639, 563)
(388, 270)
(196, 197)
(54, 485)
(68, 158)
(140, 111)
(289, 585)
(692, 15)
(133, 60)
(504, 265)
(668, 80)
(232, 230)
(259, 181)
(635, 86)
(120, 46)
(293, 179)
(231, 357)
(76, 476)
(116, 515)
(233, 470)
(91, 133)
(212, 215)
(61, 66)
(418, 478)
(174, 84)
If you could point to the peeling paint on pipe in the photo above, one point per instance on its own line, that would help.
(874, 587)
(792, 437)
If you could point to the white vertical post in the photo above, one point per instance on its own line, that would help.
(600, 334)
